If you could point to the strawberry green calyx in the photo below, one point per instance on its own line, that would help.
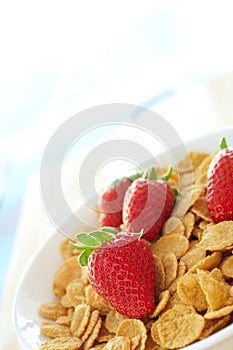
(168, 174)
(175, 191)
(131, 178)
(151, 174)
(223, 143)
(167, 177)
(134, 176)
(88, 242)
(108, 229)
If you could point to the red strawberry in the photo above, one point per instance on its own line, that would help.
(111, 201)
(121, 269)
(219, 198)
(112, 197)
(147, 204)
(111, 219)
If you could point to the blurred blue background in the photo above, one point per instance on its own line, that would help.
(60, 57)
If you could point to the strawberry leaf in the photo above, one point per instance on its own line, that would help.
(223, 143)
(135, 176)
(109, 229)
(168, 174)
(83, 257)
(151, 174)
(175, 191)
(81, 246)
(88, 240)
(101, 236)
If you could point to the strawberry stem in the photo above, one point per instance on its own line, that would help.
(223, 143)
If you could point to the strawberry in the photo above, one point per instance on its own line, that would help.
(111, 219)
(111, 203)
(121, 269)
(148, 203)
(219, 197)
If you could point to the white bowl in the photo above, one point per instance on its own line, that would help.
(36, 282)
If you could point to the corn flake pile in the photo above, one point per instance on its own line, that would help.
(194, 282)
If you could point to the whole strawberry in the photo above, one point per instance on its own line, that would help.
(219, 198)
(148, 203)
(121, 269)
